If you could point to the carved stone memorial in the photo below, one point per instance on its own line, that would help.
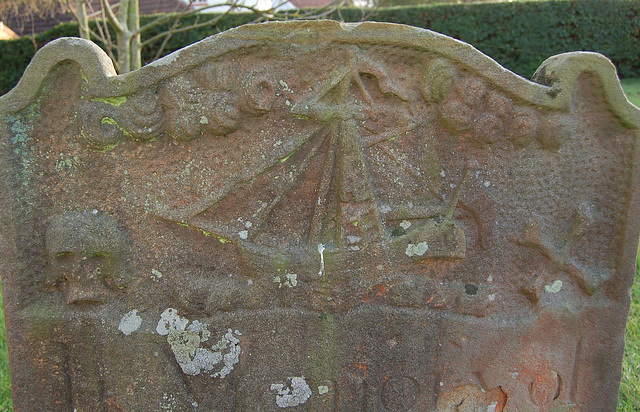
(312, 216)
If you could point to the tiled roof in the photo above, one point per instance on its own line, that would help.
(25, 25)
(28, 24)
(160, 6)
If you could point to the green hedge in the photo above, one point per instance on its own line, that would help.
(519, 35)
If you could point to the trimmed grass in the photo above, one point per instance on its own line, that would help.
(5, 382)
(632, 89)
(629, 397)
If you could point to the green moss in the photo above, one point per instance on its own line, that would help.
(108, 120)
(222, 239)
(95, 147)
(85, 82)
(113, 101)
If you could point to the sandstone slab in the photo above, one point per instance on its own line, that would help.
(316, 216)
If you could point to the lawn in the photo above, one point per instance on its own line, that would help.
(632, 89)
(5, 382)
(629, 397)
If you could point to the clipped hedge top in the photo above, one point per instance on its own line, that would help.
(519, 35)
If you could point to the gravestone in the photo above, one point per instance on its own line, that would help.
(312, 216)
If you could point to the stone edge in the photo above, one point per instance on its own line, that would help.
(552, 84)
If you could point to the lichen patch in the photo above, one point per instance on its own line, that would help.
(186, 341)
(290, 280)
(170, 320)
(156, 274)
(416, 250)
(405, 224)
(297, 393)
(554, 287)
(130, 322)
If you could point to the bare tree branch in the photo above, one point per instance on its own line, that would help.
(123, 18)
(166, 17)
(169, 34)
(31, 8)
(111, 17)
(372, 11)
(235, 4)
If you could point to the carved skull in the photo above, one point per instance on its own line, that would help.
(86, 254)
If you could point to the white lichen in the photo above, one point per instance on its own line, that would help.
(323, 389)
(492, 407)
(130, 322)
(416, 250)
(297, 393)
(170, 320)
(156, 274)
(232, 344)
(186, 339)
(290, 280)
(405, 224)
(200, 328)
(554, 287)
(385, 209)
(285, 86)
(353, 239)
(243, 234)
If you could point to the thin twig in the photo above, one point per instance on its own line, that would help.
(169, 34)
(164, 18)
(110, 15)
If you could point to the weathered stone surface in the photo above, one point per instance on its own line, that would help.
(317, 217)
